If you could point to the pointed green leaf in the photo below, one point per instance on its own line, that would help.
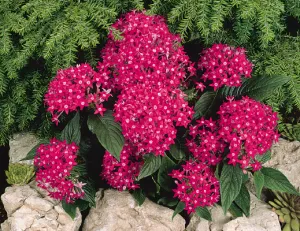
(71, 132)
(163, 178)
(264, 158)
(259, 181)
(235, 210)
(70, 209)
(204, 213)
(176, 151)
(108, 132)
(243, 200)
(139, 196)
(230, 183)
(81, 204)
(89, 193)
(179, 208)
(204, 105)
(168, 201)
(151, 165)
(276, 181)
(258, 87)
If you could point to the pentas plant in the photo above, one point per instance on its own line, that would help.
(54, 163)
(188, 155)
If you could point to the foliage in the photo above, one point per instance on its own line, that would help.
(283, 59)
(19, 174)
(38, 38)
(239, 21)
(287, 207)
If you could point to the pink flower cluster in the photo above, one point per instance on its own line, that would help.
(224, 65)
(54, 162)
(148, 115)
(147, 66)
(196, 185)
(147, 54)
(73, 88)
(249, 129)
(205, 143)
(121, 175)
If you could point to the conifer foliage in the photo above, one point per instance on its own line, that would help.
(222, 20)
(38, 37)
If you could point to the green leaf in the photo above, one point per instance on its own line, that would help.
(69, 209)
(89, 193)
(259, 181)
(217, 172)
(230, 183)
(71, 132)
(179, 208)
(31, 154)
(245, 178)
(235, 210)
(168, 201)
(151, 165)
(139, 196)
(243, 200)
(204, 105)
(176, 151)
(204, 213)
(258, 87)
(276, 181)
(79, 170)
(164, 180)
(108, 132)
(264, 158)
(81, 204)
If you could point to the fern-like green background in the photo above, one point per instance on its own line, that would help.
(38, 37)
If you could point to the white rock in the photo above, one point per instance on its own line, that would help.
(261, 218)
(286, 158)
(242, 224)
(118, 211)
(14, 197)
(28, 210)
(20, 145)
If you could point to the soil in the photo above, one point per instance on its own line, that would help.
(3, 184)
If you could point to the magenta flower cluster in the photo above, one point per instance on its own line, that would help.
(147, 66)
(54, 163)
(122, 174)
(224, 65)
(248, 128)
(196, 185)
(73, 89)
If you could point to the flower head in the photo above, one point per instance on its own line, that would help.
(122, 174)
(54, 162)
(224, 65)
(196, 185)
(248, 127)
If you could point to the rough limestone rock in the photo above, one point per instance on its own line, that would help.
(29, 210)
(118, 211)
(262, 218)
(286, 158)
(20, 145)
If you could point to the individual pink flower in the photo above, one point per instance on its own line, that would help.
(224, 65)
(122, 174)
(249, 129)
(196, 185)
(54, 163)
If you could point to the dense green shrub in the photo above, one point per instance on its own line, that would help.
(283, 59)
(240, 21)
(39, 37)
